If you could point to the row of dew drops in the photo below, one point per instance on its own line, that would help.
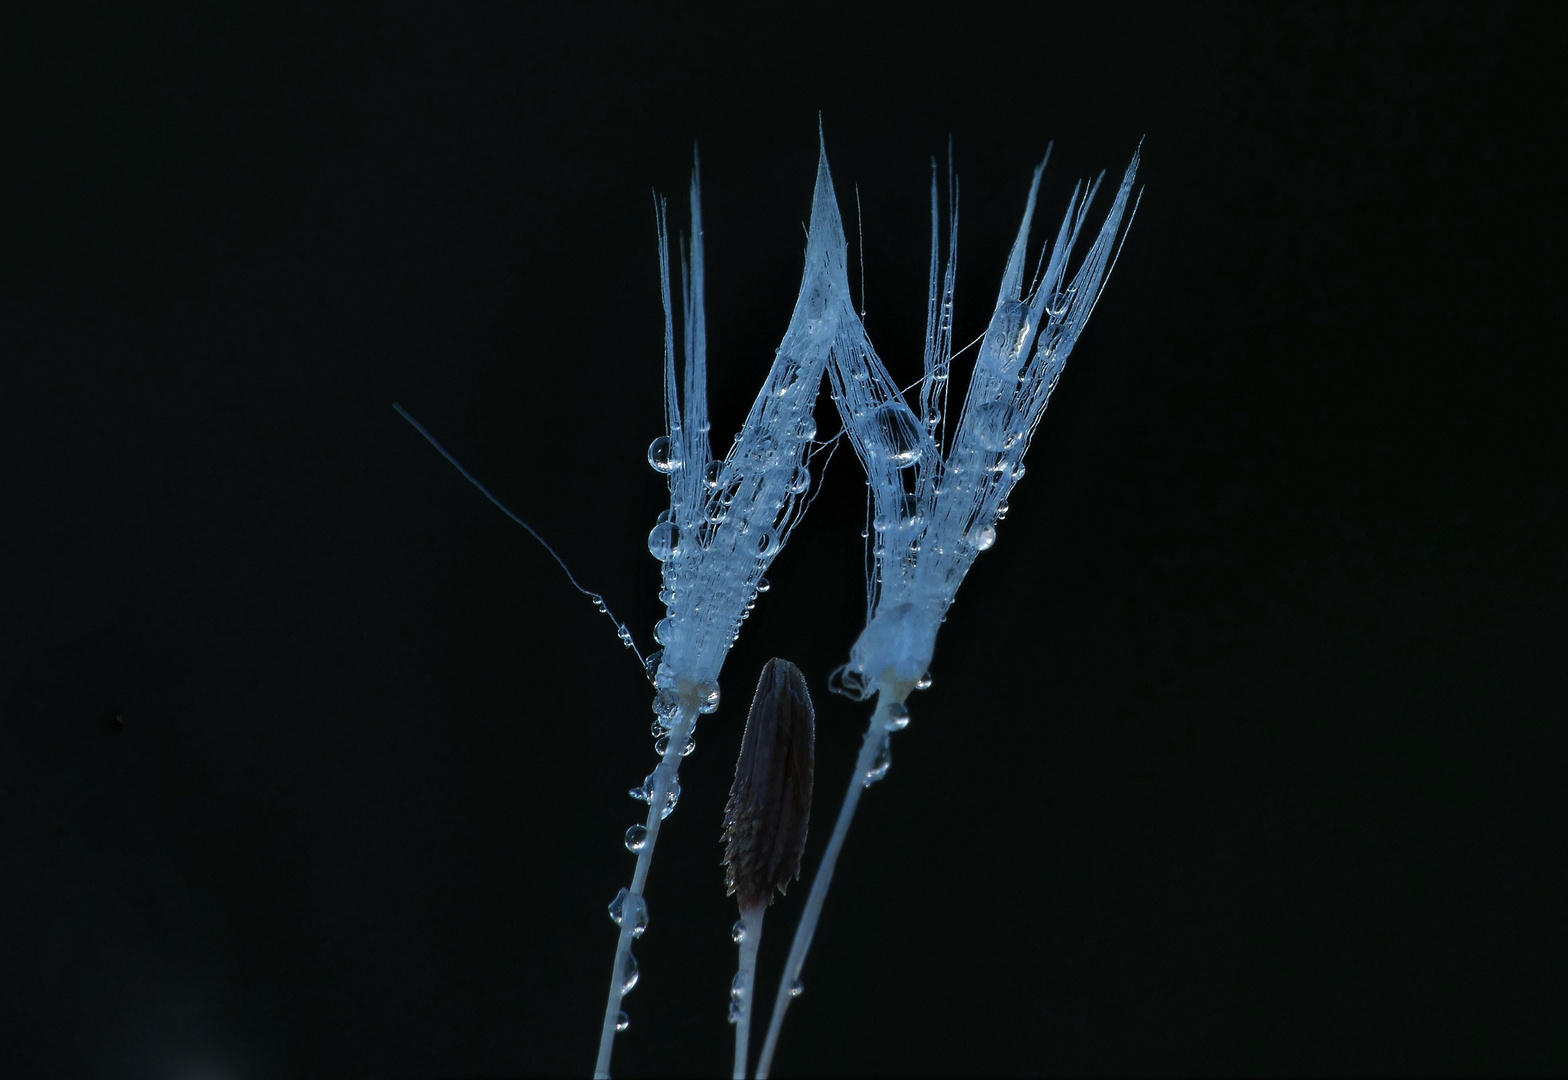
(663, 543)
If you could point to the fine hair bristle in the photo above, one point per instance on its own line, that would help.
(770, 802)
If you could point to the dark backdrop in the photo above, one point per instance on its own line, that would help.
(1242, 754)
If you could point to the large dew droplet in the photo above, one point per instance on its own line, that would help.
(636, 838)
(983, 537)
(897, 717)
(664, 542)
(661, 455)
(898, 433)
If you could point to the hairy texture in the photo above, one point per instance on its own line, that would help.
(936, 508)
(769, 809)
(730, 516)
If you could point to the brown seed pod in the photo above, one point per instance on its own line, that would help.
(770, 802)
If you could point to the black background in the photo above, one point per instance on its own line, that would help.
(1243, 753)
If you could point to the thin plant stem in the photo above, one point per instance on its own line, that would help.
(876, 739)
(746, 980)
(632, 907)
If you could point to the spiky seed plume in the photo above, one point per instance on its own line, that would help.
(769, 808)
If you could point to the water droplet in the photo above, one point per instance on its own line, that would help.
(763, 585)
(799, 480)
(651, 663)
(629, 974)
(899, 433)
(738, 931)
(879, 764)
(671, 797)
(664, 542)
(983, 537)
(625, 635)
(664, 631)
(716, 511)
(767, 544)
(661, 744)
(807, 428)
(710, 473)
(924, 682)
(639, 909)
(796, 988)
(1018, 473)
(622, 1021)
(734, 1012)
(708, 698)
(636, 837)
(1001, 510)
(897, 718)
(643, 791)
(661, 455)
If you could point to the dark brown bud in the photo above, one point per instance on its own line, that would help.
(770, 801)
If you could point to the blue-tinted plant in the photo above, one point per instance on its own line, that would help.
(728, 519)
(936, 507)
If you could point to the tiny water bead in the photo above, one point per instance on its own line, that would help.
(897, 718)
(763, 585)
(622, 1021)
(629, 974)
(664, 542)
(661, 455)
(796, 988)
(636, 838)
(879, 764)
(738, 986)
(738, 931)
(924, 682)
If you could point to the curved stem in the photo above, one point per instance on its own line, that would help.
(663, 778)
(751, 922)
(876, 739)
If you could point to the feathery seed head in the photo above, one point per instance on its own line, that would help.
(934, 512)
(729, 517)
